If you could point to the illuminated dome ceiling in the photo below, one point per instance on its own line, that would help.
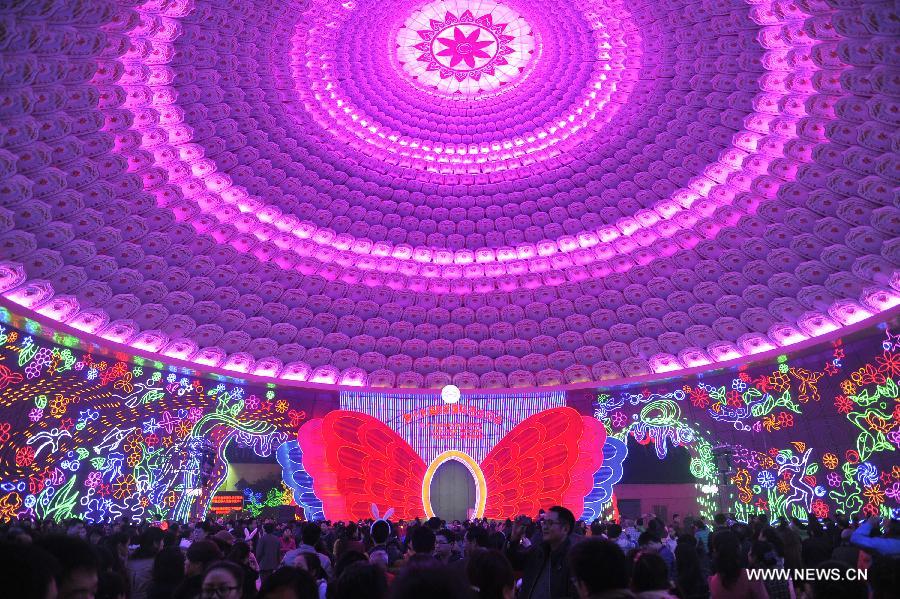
(493, 193)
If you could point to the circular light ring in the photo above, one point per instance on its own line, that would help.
(439, 157)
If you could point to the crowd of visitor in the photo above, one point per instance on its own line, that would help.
(550, 557)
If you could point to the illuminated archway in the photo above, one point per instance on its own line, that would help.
(473, 468)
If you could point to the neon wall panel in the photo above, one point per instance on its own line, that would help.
(99, 435)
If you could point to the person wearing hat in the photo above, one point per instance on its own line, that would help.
(224, 540)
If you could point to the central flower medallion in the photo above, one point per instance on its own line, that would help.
(465, 46)
(461, 50)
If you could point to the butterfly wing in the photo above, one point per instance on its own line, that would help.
(548, 459)
(355, 461)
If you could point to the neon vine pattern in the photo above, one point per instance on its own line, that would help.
(100, 438)
(817, 437)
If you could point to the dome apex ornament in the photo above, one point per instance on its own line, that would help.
(462, 51)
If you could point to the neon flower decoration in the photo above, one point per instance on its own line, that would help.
(775, 418)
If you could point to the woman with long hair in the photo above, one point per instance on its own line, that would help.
(730, 580)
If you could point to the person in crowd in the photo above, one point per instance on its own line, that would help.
(884, 577)
(649, 541)
(288, 583)
(701, 533)
(429, 580)
(168, 572)
(615, 534)
(545, 566)
(27, 572)
(116, 544)
(764, 556)
(349, 539)
(650, 577)
(241, 555)
(792, 544)
(476, 537)
(629, 529)
(443, 546)
(888, 544)
(497, 540)
(199, 532)
(224, 540)
(199, 556)
(720, 523)
(140, 566)
(381, 537)
(310, 562)
(817, 548)
(77, 576)
(348, 559)
(844, 551)
(310, 536)
(769, 535)
(288, 542)
(380, 558)
(111, 585)
(689, 575)
(730, 580)
(490, 575)
(223, 580)
(268, 551)
(842, 587)
(598, 570)
(360, 581)
(421, 545)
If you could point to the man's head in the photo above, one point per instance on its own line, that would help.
(199, 533)
(476, 537)
(422, 540)
(27, 571)
(557, 524)
(650, 541)
(78, 566)
(613, 530)
(152, 541)
(443, 544)
(269, 527)
(597, 566)
(311, 534)
(720, 519)
(76, 528)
